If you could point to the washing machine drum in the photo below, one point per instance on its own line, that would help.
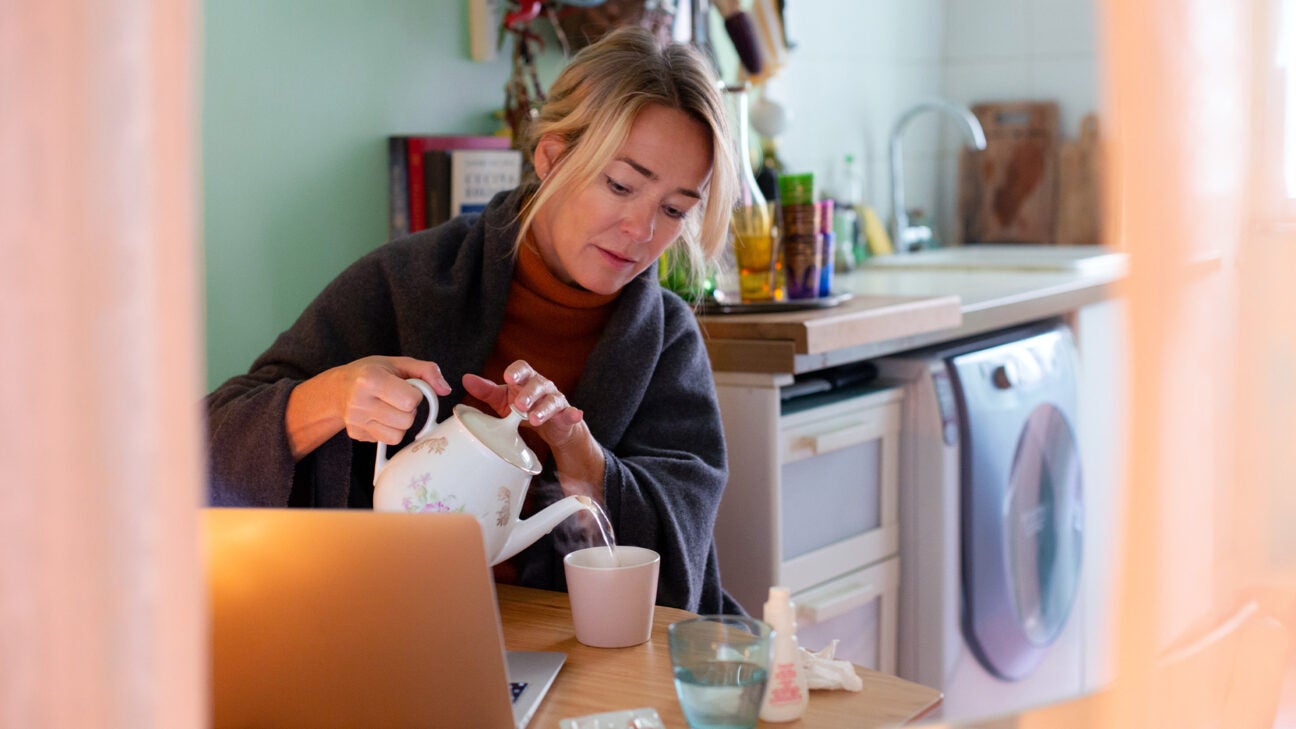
(1022, 543)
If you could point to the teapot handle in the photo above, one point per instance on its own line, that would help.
(380, 462)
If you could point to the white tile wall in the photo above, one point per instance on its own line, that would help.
(855, 67)
(859, 65)
(1072, 82)
(986, 29)
(1063, 27)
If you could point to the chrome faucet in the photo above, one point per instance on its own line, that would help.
(902, 233)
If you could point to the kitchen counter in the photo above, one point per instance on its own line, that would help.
(904, 302)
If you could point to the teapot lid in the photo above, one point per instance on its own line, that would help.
(500, 435)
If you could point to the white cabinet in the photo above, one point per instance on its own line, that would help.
(858, 610)
(812, 505)
(1102, 337)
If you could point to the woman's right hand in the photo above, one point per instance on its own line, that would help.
(368, 398)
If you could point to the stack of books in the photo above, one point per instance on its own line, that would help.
(433, 178)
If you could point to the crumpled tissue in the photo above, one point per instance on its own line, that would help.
(822, 671)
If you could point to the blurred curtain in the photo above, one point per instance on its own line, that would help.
(101, 612)
(1198, 142)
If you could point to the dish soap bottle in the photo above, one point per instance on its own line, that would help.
(786, 697)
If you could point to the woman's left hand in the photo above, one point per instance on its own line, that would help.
(546, 409)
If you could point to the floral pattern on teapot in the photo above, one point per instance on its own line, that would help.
(423, 500)
(502, 515)
(431, 445)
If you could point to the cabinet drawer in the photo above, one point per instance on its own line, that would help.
(859, 611)
(837, 501)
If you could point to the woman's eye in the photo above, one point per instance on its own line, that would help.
(674, 212)
(617, 187)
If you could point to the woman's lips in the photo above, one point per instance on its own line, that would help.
(616, 259)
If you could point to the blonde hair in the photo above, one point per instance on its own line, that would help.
(595, 100)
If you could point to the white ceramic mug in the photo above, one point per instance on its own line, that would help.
(611, 604)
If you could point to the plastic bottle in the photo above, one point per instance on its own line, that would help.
(827, 246)
(848, 192)
(770, 168)
(787, 694)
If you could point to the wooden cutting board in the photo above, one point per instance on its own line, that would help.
(1079, 215)
(1008, 192)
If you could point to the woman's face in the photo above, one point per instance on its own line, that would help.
(602, 236)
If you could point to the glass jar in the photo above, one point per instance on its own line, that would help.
(755, 249)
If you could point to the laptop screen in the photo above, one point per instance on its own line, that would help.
(346, 618)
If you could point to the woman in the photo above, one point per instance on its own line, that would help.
(549, 293)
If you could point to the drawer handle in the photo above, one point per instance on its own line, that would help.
(835, 604)
(837, 439)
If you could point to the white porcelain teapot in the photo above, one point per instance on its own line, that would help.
(472, 463)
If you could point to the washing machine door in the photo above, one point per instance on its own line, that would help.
(1022, 508)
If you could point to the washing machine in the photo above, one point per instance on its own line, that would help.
(991, 521)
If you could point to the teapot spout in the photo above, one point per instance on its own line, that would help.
(525, 532)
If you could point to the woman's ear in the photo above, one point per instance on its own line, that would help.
(549, 150)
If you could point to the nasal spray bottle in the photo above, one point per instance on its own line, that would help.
(786, 697)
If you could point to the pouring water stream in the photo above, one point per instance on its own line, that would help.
(605, 527)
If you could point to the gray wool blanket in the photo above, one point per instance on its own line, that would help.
(439, 295)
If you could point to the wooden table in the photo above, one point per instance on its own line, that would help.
(595, 680)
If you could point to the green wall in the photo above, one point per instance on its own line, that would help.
(298, 97)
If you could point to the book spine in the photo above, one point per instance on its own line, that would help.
(436, 173)
(398, 189)
(414, 148)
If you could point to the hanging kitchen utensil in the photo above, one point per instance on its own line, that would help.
(768, 34)
(742, 32)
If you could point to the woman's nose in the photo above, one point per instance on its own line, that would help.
(640, 223)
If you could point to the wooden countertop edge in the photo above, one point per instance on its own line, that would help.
(895, 319)
(812, 329)
(755, 353)
(751, 355)
(767, 342)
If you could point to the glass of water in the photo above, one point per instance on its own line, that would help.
(720, 664)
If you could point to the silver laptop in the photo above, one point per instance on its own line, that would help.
(341, 618)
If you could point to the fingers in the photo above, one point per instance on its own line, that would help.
(377, 403)
(382, 433)
(380, 407)
(536, 396)
(390, 388)
(495, 396)
(531, 393)
(429, 372)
